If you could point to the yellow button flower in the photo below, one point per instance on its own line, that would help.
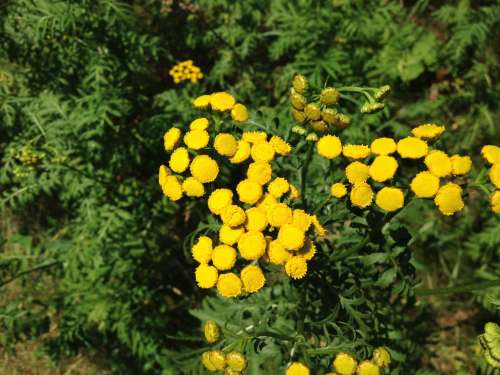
(382, 357)
(495, 202)
(296, 267)
(390, 199)
(262, 151)
(329, 146)
(256, 219)
(361, 195)
(297, 368)
(242, 152)
(278, 187)
(439, 163)
(428, 131)
(205, 360)
(294, 192)
(162, 175)
(495, 175)
(233, 215)
(383, 168)
(356, 151)
(357, 172)
(425, 185)
(312, 111)
(230, 236)
(279, 215)
(338, 190)
(254, 136)
(239, 113)
(171, 138)
(202, 250)
(318, 228)
(204, 168)
(368, 368)
(211, 331)
(449, 199)
(172, 188)
(214, 359)
(249, 191)
(229, 285)
(179, 160)
(301, 219)
(412, 148)
(223, 257)
(236, 361)
(308, 250)
(266, 203)
(199, 124)
(192, 187)
(196, 139)
(345, 364)
(299, 83)
(291, 237)
(202, 102)
(222, 101)
(383, 146)
(281, 147)
(219, 199)
(225, 144)
(252, 245)
(206, 276)
(253, 278)
(277, 253)
(460, 165)
(260, 172)
(491, 154)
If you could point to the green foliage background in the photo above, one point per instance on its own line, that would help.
(101, 255)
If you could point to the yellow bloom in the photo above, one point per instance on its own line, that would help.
(294, 192)
(491, 154)
(439, 163)
(217, 359)
(179, 160)
(171, 137)
(236, 361)
(495, 175)
(211, 331)
(279, 215)
(277, 253)
(460, 165)
(425, 185)
(260, 172)
(356, 151)
(412, 148)
(390, 199)
(249, 191)
(225, 144)
(298, 116)
(253, 279)
(172, 188)
(202, 250)
(205, 360)
(239, 113)
(299, 83)
(338, 190)
(345, 364)
(312, 111)
(204, 168)
(278, 187)
(296, 267)
(329, 146)
(233, 215)
(229, 285)
(254, 137)
(199, 124)
(256, 219)
(222, 101)
(262, 151)
(242, 152)
(383, 168)
(428, 131)
(320, 230)
(381, 357)
(368, 368)
(449, 199)
(223, 257)
(308, 250)
(329, 95)
(383, 146)
(361, 195)
(162, 175)
(230, 236)
(252, 245)
(291, 237)
(266, 203)
(495, 202)
(301, 219)
(219, 199)
(192, 187)
(357, 172)
(297, 368)
(281, 147)
(206, 276)
(202, 102)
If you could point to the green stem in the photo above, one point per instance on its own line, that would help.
(34, 269)
(303, 176)
(360, 90)
(457, 289)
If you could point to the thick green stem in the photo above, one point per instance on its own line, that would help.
(305, 168)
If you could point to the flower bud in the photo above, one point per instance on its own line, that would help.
(381, 357)
(299, 130)
(343, 121)
(298, 116)
(329, 95)
(298, 101)
(212, 331)
(319, 126)
(382, 92)
(372, 107)
(312, 111)
(312, 137)
(329, 115)
(299, 83)
(236, 361)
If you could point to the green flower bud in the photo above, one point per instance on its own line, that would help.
(319, 126)
(312, 111)
(298, 101)
(299, 116)
(299, 130)
(312, 137)
(382, 92)
(299, 83)
(329, 115)
(372, 107)
(343, 121)
(329, 95)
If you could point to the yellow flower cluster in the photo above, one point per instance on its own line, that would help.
(346, 364)
(491, 154)
(186, 71)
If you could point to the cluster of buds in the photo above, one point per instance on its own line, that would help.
(28, 156)
(490, 344)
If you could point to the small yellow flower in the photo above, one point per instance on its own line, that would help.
(260, 172)
(329, 95)
(162, 175)
(281, 147)
(262, 151)
(217, 359)
(278, 187)
(297, 368)
(199, 124)
(179, 160)
(368, 368)
(338, 190)
(428, 131)
(205, 360)
(383, 146)
(242, 152)
(460, 165)
(225, 144)
(229, 285)
(233, 215)
(390, 199)
(206, 276)
(171, 138)
(449, 199)
(382, 357)
(412, 148)
(239, 113)
(301, 219)
(425, 185)
(249, 191)
(277, 253)
(329, 146)
(312, 111)
(296, 267)
(357, 172)
(308, 250)
(202, 102)
(256, 219)
(491, 154)
(356, 151)
(223, 257)
(222, 101)
(495, 175)
(252, 245)
(439, 163)
(383, 168)
(320, 230)
(254, 137)
(345, 364)
(299, 116)
(219, 199)
(204, 169)
(279, 214)
(236, 361)
(230, 236)
(291, 237)
(266, 203)
(361, 195)
(253, 278)
(299, 83)
(172, 188)
(192, 187)
(202, 250)
(294, 192)
(495, 202)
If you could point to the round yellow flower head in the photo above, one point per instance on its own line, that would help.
(291, 237)
(233, 215)
(192, 187)
(495, 202)
(338, 190)
(298, 116)
(491, 154)
(249, 191)
(242, 152)
(162, 175)
(179, 160)
(368, 368)
(345, 364)
(171, 138)
(172, 188)
(460, 165)
(277, 253)
(262, 151)
(329, 95)
(356, 151)
(204, 169)
(278, 187)
(279, 215)
(206, 276)
(301, 219)
(383, 168)
(236, 361)
(219, 199)
(229, 285)
(329, 146)
(266, 203)
(381, 357)
(211, 331)
(383, 146)
(216, 359)
(260, 172)
(425, 185)
(296, 267)
(256, 219)
(357, 172)
(319, 229)
(297, 368)
(312, 111)
(222, 101)
(428, 131)
(298, 101)
(252, 245)
(308, 250)
(202, 102)
(449, 199)
(319, 126)
(199, 124)
(225, 144)
(205, 360)
(281, 147)
(439, 163)
(495, 175)
(254, 137)
(390, 199)
(223, 257)
(196, 139)
(329, 116)
(299, 83)
(230, 236)
(412, 148)
(202, 250)
(361, 195)
(239, 113)
(294, 192)
(253, 278)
